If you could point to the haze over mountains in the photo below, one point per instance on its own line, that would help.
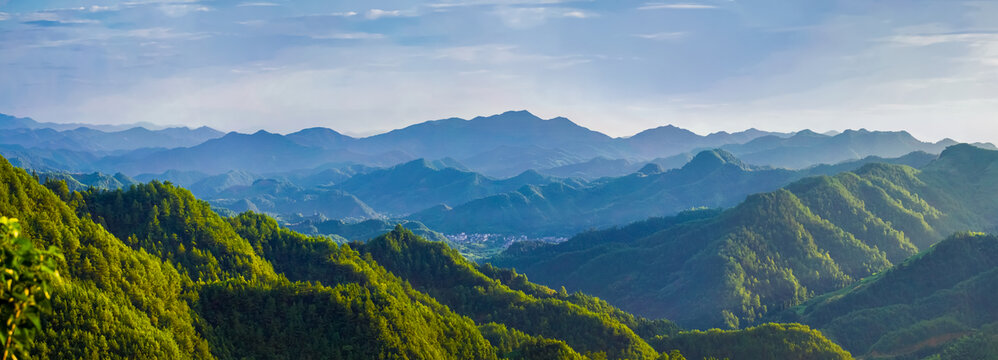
(531, 176)
(501, 145)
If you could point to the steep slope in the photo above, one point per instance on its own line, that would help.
(453, 281)
(588, 324)
(315, 259)
(108, 291)
(235, 290)
(776, 249)
(917, 307)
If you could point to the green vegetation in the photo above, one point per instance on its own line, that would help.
(943, 296)
(775, 250)
(769, 341)
(25, 286)
(441, 272)
(152, 272)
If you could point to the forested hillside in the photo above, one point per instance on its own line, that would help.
(774, 250)
(152, 272)
(939, 301)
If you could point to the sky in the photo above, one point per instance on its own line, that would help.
(362, 66)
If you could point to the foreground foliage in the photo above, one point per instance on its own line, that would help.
(151, 272)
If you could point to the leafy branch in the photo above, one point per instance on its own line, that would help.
(26, 277)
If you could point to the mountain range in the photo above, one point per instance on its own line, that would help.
(713, 179)
(501, 146)
(774, 250)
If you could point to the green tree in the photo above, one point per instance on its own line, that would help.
(25, 286)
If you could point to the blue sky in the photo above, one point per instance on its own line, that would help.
(930, 67)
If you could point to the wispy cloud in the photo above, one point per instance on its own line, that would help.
(4, 16)
(680, 6)
(161, 33)
(525, 17)
(52, 18)
(675, 35)
(504, 54)
(180, 10)
(375, 14)
(932, 39)
(578, 14)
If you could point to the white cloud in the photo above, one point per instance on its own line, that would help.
(682, 6)
(4, 16)
(675, 35)
(375, 14)
(160, 33)
(180, 10)
(519, 17)
(98, 8)
(578, 14)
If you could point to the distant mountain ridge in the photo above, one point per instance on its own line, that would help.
(13, 122)
(806, 148)
(713, 178)
(501, 145)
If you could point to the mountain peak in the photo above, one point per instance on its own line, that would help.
(651, 168)
(965, 159)
(530, 176)
(809, 132)
(518, 113)
(712, 159)
(420, 163)
(508, 116)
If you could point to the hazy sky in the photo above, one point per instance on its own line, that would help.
(361, 66)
